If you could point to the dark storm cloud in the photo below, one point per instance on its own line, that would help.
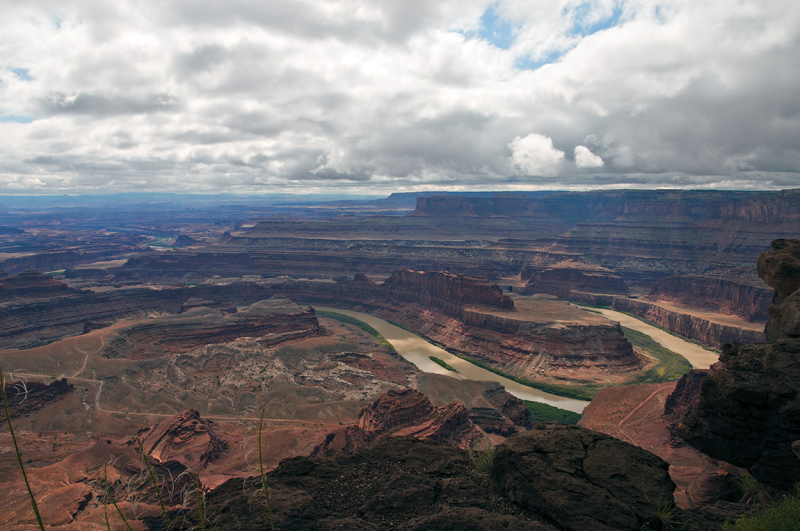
(108, 105)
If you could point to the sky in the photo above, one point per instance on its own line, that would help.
(378, 96)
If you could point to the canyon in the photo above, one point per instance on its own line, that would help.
(188, 329)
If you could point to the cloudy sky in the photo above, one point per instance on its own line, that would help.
(373, 96)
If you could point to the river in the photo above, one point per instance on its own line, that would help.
(699, 357)
(418, 351)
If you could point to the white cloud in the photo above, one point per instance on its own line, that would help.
(316, 95)
(534, 154)
(584, 158)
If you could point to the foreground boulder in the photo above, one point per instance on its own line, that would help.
(553, 477)
(399, 483)
(582, 479)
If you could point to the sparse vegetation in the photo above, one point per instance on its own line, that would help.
(442, 363)
(671, 366)
(748, 485)
(483, 460)
(547, 413)
(577, 391)
(16, 449)
(783, 515)
(109, 495)
(155, 485)
(261, 469)
(359, 324)
(666, 513)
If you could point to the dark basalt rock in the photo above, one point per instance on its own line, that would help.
(25, 398)
(748, 412)
(581, 479)
(398, 483)
(554, 477)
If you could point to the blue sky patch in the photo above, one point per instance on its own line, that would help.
(495, 29)
(582, 28)
(527, 63)
(11, 118)
(22, 73)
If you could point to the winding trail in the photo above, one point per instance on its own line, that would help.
(270, 422)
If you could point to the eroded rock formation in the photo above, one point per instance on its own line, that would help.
(445, 290)
(188, 331)
(405, 413)
(31, 285)
(186, 438)
(748, 411)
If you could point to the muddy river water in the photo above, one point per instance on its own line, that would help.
(418, 351)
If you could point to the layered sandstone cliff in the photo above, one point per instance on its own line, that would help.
(445, 290)
(688, 325)
(716, 294)
(566, 278)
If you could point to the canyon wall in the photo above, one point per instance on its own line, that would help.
(712, 334)
(716, 294)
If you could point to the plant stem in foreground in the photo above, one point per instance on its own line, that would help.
(16, 448)
(263, 477)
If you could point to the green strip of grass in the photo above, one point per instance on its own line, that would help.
(783, 515)
(547, 413)
(444, 364)
(579, 392)
(671, 366)
(342, 318)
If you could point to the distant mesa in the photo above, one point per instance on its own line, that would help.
(31, 284)
(185, 241)
(10, 230)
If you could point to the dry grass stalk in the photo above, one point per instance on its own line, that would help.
(16, 448)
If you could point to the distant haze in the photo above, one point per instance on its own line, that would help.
(369, 97)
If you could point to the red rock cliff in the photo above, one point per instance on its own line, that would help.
(724, 296)
(445, 290)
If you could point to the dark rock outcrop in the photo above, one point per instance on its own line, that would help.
(404, 413)
(581, 479)
(31, 285)
(398, 483)
(185, 241)
(26, 397)
(748, 411)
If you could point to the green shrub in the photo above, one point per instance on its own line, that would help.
(547, 413)
(783, 515)
(442, 363)
(482, 460)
